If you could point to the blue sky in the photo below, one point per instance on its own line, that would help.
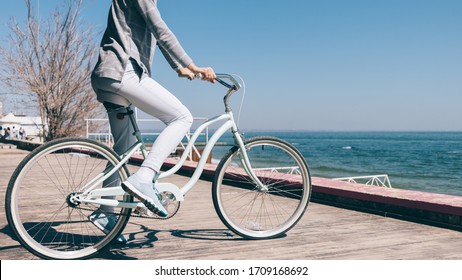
(355, 65)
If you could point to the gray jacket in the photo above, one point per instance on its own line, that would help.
(134, 29)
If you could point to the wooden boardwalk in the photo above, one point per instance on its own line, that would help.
(196, 232)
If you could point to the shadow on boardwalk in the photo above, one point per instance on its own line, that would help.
(146, 239)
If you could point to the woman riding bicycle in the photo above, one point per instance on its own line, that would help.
(122, 77)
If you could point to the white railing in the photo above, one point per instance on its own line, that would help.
(372, 180)
(282, 169)
(103, 133)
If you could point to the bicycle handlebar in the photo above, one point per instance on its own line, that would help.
(235, 86)
(232, 88)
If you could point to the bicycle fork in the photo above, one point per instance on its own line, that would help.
(244, 158)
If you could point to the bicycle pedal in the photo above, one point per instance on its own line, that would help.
(143, 211)
(152, 208)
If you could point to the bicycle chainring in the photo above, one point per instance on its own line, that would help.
(168, 200)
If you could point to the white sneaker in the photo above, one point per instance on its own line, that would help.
(146, 193)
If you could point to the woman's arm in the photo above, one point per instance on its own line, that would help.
(169, 44)
(164, 36)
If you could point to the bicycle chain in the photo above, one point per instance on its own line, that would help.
(136, 215)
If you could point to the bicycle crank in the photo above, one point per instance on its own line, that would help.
(168, 200)
(171, 197)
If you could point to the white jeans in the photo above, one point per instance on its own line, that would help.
(150, 97)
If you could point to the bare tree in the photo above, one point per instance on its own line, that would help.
(51, 61)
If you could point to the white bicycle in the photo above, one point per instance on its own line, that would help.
(260, 190)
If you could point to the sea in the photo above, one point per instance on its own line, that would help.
(422, 161)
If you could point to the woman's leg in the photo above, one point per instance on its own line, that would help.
(122, 133)
(155, 100)
(152, 98)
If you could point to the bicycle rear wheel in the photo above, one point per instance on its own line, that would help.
(256, 213)
(39, 200)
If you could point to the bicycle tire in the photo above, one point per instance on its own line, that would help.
(262, 214)
(38, 207)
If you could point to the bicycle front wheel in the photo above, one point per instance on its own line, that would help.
(40, 201)
(257, 212)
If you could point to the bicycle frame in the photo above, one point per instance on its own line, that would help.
(89, 195)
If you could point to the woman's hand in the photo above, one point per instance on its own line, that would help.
(184, 72)
(207, 72)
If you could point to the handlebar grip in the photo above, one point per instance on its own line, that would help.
(234, 86)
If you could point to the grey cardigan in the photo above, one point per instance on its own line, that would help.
(134, 29)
